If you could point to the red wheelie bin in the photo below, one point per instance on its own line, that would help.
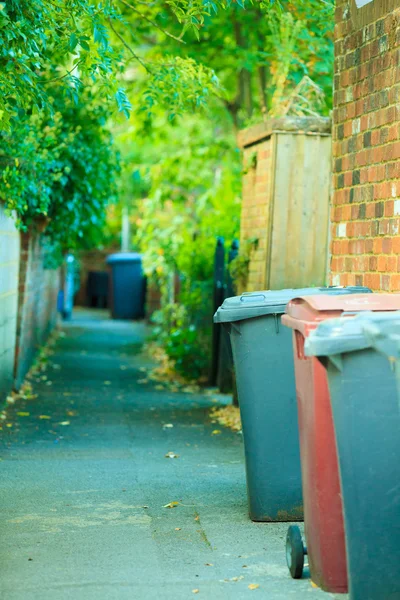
(323, 515)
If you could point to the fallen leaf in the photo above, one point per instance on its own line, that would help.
(172, 504)
(171, 455)
(209, 565)
(9, 425)
(314, 585)
(44, 417)
(23, 414)
(253, 586)
(216, 432)
(64, 423)
(196, 591)
(71, 413)
(177, 528)
(167, 426)
(10, 399)
(197, 518)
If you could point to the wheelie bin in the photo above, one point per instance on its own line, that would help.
(323, 514)
(128, 286)
(358, 357)
(263, 360)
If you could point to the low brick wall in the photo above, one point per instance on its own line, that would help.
(37, 306)
(9, 265)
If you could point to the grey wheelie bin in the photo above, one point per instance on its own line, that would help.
(263, 358)
(358, 356)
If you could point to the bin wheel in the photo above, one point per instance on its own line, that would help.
(295, 552)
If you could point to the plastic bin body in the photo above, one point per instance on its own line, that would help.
(267, 401)
(127, 286)
(366, 415)
(323, 511)
(263, 359)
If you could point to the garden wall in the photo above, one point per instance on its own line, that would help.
(9, 265)
(366, 146)
(285, 208)
(37, 305)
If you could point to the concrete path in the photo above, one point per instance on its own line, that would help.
(85, 482)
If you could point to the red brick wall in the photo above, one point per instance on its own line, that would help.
(257, 161)
(365, 240)
(37, 304)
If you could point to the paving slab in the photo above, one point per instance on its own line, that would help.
(85, 484)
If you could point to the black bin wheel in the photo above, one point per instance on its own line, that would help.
(295, 552)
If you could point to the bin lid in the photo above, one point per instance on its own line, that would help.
(256, 304)
(124, 257)
(383, 332)
(317, 308)
(347, 333)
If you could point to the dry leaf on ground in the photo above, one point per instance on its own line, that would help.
(23, 414)
(216, 432)
(228, 416)
(171, 455)
(172, 504)
(254, 586)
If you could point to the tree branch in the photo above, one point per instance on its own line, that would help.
(62, 76)
(153, 23)
(134, 55)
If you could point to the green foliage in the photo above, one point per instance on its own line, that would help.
(184, 342)
(192, 195)
(239, 267)
(61, 166)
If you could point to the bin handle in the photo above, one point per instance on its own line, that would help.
(251, 295)
(299, 337)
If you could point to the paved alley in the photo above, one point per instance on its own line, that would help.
(85, 487)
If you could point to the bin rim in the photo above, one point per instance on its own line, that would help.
(346, 334)
(123, 257)
(383, 332)
(250, 305)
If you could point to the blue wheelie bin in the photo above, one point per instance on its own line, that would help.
(128, 286)
(360, 355)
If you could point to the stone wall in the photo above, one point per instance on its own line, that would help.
(9, 265)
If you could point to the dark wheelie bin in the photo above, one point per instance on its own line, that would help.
(263, 358)
(128, 286)
(358, 357)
